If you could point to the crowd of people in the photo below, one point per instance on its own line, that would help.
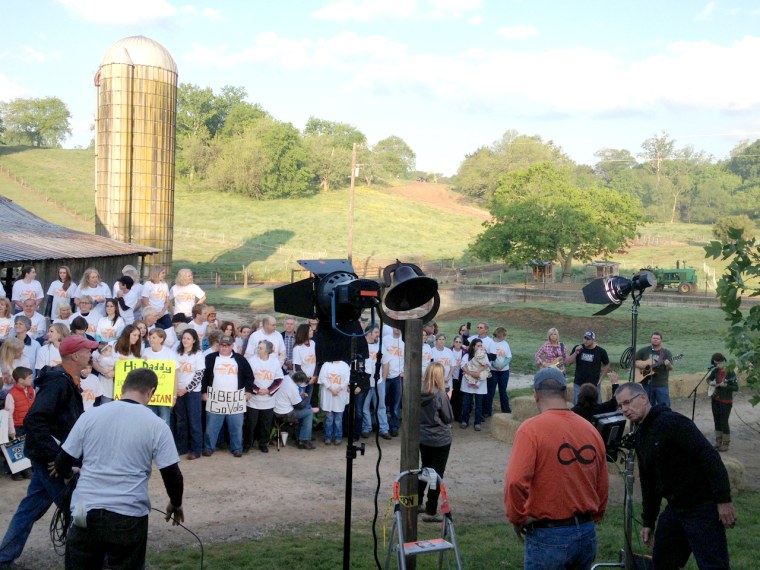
(60, 354)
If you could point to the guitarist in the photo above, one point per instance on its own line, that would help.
(655, 363)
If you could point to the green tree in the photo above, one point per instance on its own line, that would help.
(394, 157)
(538, 213)
(712, 196)
(480, 173)
(611, 161)
(37, 122)
(656, 151)
(341, 134)
(745, 161)
(329, 145)
(722, 230)
(195, 109)
(740, 278)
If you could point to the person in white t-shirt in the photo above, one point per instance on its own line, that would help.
(136, 290)
(60, 291)
(157, 350)
(198, 322)
(427, 354)
(27, 288)
(39, 324)
(305, 355)
(92, 389)
(474, 387)
(333, 380)
(267, 378)
(110, 326)
(63, 314)
(104, 361)
(6, 319)
(225, 371)
(393, 372)
(291, 406)
(48, 354)
(185, 293)
(190, 366)
(95, 289)
(376, 394)
(499, 373)
(128, 298)
(269, 332)
(85, 311)
(150, 316)
(155, 295)
(443, 354)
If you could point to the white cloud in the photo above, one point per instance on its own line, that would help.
(120, 11)
(9, 89)
(518, 32)
(212, 14)
(31, 55)
(706, 12)
(366, 10)
(450, 9)
(476, 19)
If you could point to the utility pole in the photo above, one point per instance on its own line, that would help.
(351, 206)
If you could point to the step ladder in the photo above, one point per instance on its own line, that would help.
(444, 545)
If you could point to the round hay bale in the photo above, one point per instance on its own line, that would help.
(504, 427)
(735, 470)
(523, 407)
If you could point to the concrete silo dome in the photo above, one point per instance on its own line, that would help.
(139, 50)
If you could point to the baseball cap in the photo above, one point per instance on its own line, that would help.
(549, 379)
(226, 339)
(74, 343)
(590, 335)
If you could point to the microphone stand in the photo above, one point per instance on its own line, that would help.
(693, 393)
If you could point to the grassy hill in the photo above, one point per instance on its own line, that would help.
(226, 232)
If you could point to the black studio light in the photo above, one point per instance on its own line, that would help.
(612, 291)
(408, 291)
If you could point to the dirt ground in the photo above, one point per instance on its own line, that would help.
(230, 499)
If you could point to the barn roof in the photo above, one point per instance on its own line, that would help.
(26, 237)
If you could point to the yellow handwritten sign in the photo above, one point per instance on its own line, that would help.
(164, 369)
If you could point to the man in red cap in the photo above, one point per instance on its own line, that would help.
(52, 415)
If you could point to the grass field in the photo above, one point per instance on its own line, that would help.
(482, 545)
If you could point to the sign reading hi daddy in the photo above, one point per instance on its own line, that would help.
(164, 369)
(225, 401)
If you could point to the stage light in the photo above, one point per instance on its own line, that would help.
(612, 291)
(408, 291)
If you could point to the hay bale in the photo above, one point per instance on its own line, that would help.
(504, 427)
(523, 407)
(681, 386)
(735, 470)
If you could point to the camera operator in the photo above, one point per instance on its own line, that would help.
(118, 443)
(676, 462)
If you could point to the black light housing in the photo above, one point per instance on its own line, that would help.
(612, 291)
(408, 289)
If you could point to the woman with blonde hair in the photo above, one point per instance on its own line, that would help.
(552, 353)
(92, 286)
(48, 355)
(63, 314)
(11, 356)
(155, 294)
(6, 321)
(435, 433)
(185, 293)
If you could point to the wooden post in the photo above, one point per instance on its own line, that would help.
(245, 277)
(217, 280)
(351, 206)
(410, 425)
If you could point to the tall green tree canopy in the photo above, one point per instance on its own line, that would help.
(745, 161)
(37, 122)
(538, 213)
(480, 172)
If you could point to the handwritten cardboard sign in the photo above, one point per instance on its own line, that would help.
(164, 369)
(225, 401)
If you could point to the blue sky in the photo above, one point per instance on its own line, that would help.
(448, 76)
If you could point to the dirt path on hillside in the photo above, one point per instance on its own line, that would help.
(438, 196)
(230, 499)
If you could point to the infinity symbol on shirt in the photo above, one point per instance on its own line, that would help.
(578, 454)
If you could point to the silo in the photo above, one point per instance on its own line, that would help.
(135, 145)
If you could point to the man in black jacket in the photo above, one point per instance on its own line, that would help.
(676, 462)
(54, 412)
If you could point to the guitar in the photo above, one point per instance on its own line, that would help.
(643, 375)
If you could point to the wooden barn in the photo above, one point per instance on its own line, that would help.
(26, 239)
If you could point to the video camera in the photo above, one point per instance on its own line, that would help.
(611, 426)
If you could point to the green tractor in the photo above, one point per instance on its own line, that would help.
(682, 278)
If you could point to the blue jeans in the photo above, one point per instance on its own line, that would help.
(359, 400)
(163, 412)
(42, 492)
(188, 434)
(214, 424)
(571, 547)
(658, 395)
(393, 401)
(680, 532)
(122, 538)
(333, 426)
(467, 399)
(499, 379)
(377, 400)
